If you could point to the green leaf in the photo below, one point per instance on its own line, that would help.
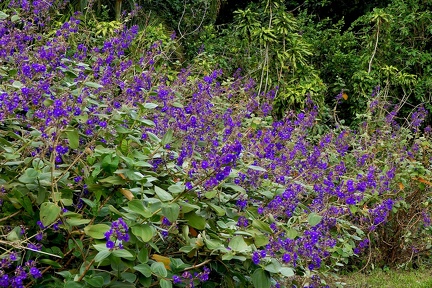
(115, 211)
(219, 210)
(137, 206)
(195, 220)
(100, 247)
(73, 138)
(261, 240)
(90, 203)
(50, 262)
(159, 269)
(145, 232)
(171, 211)
(177, 105)
(143, 255)
(261, 279)
(94, 281)
(213, 244)
(273, 267)
(17, 84)
(143, 269)
(162, 194)
(3, 15)
(176, 188)
(257, 168)
(96, 231)
(234, 187)
(153, 137)
(73, 284)
(65, 274)
(314, 219)
(150, 105)
(13, 163)
(147, 122)
(101, 255)
(49, 212)
(211, 194)
(163, 283)
(29, 176)
(286, 271)
(261, 225)
(77, 221)
(238, 244)
(187, 207)
(92, 84)
(15, 18)
(14, 235)
(123, 253)
(109, 164)
(167, 138)
(128, 277)
(291, 233)
(114, 180)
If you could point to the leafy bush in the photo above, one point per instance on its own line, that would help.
(387, 47)
(113, 175)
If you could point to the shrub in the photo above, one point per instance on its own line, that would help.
(114, 175)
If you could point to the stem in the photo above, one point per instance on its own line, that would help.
(198, 265)
(10, 216)
(118, 9)
(375, 48)
(85, 271)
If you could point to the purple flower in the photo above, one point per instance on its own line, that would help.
(188, 185)
(12, 256)
(286, 258)
(242, 221)
(256, 257)
(118, 233)
(41, 226)
(110, 244)
(39, 236)
(35, 272)
(176, 279)
(204, 276)
(242, 204)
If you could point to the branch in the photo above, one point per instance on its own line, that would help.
(375, 48)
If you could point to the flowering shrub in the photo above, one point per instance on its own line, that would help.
(114, 175)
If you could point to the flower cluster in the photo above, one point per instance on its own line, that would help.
(20, 273)
(190, 280)
(300, 191)
(117, 234)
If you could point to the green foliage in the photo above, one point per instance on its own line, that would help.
(380, 48)
(272, 36)
(122, 171)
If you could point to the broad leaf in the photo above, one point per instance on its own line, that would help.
(238, 244)
(162, 194)
(101, 255)
(171, 211)
(49, 212)
(144, 269)
(73, 138)
(145, 232)
(96, 231)
(195, 220)
(314, 219)
(158, 268)
(261, 279)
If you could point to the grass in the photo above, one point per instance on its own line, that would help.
(391, 279)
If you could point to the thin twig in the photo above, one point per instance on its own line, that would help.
(10, 216)
(375, 48)
(85, 271)
(198, 265)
